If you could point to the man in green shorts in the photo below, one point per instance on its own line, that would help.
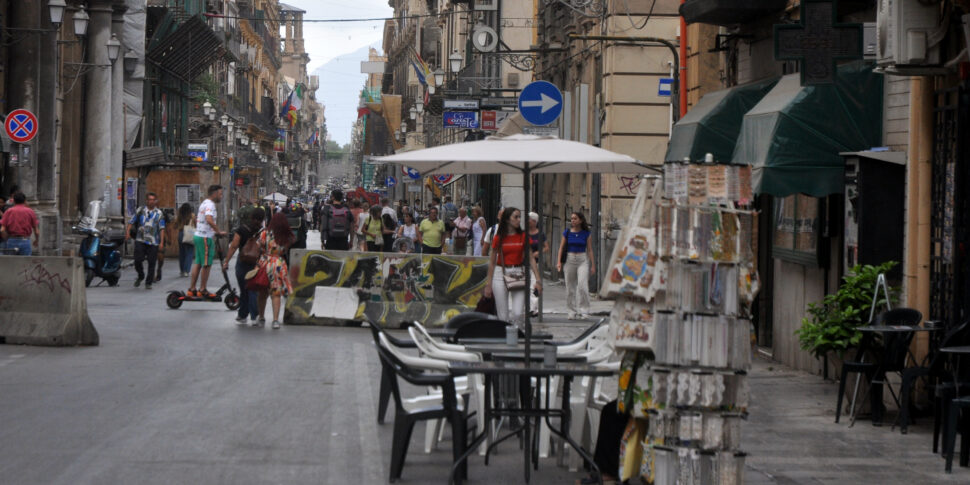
(205, 243)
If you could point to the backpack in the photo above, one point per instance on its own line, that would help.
(338, 222)
(251, 251)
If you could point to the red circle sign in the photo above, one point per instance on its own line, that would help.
(21, 125)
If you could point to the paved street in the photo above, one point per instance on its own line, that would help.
(186, 396)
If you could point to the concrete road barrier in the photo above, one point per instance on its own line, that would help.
(43, 301)
(333, 287)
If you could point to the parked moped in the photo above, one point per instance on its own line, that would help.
(101, 258)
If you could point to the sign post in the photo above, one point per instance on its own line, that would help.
(540, 103)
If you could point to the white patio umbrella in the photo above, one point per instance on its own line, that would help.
(525, 154)
(276, 197)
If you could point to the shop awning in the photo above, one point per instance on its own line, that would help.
(713, 124)
(793, 137)
(188, 50)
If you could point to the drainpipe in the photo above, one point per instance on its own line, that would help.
(683, 65)
(674, 97)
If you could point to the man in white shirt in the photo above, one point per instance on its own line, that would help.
(487, 244)
(205, 243)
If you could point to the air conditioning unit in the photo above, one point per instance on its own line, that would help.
(908, 33)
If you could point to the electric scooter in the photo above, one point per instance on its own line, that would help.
(101, 259)
(175, 298)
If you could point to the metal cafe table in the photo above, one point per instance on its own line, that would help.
(530, 409)
(870, 330)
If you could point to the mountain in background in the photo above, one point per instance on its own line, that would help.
(340, 85)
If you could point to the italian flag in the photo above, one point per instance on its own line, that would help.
(294, 104)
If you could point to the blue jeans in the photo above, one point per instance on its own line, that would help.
(23, 244)
(248, 304)
(186, 254)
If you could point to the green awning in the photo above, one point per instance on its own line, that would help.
(793, 137)
(713, 124)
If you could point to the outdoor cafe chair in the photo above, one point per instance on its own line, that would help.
(483, 328)
(581, 340)
(408, 413)
(937, 372)
(429, 340)
(384, 392)
(463, 319)
(895, 349)
(957, 423)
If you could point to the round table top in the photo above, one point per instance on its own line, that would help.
(962, 349)
(896, 328)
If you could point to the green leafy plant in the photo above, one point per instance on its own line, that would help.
(205, 88)
(831, 323)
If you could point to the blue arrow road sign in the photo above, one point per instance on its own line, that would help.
(540, 103)
(390, 182)
(414, 174)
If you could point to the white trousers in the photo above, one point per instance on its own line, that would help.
(509, 305)
(577, 283)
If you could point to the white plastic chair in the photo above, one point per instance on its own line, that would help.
(436, 342)
(476, 385)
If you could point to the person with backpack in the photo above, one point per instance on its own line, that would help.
(389, 219)
(147, 227)
(337, 223)
(246, 231)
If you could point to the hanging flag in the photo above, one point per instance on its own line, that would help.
(313, 138)
(361, 112)
(280, 144)
(421, 68)
(286, 106)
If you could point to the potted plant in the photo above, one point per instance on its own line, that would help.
(830, 327)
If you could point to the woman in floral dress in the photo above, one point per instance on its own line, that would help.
(274, 242)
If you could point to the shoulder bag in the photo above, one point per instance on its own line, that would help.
(188, 234)
(251, 251)
(514, 279)
(257, 279)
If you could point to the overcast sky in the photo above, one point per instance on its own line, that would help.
(327, 40)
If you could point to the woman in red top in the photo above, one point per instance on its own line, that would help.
(510, 239)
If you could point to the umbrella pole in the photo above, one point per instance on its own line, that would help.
(526, 178)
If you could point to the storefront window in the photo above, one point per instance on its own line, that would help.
(796, 224)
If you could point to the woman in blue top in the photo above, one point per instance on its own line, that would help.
(579, 265)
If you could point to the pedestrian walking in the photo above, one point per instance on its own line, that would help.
(448, 212)
(389, 219)
(478, 231)
(337, 223)
(167, 233)
(463, 229)
(274, 243)
(206, 231)
(579, 265)
(248, 300)
(490, 233)
(540, 246)
(147, 227)
(408, 230)
(186, 238)
(373, 230)
(17, 224)
(506, 265)
(431, 231)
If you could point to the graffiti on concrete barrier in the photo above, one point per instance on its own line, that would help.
(391, 288)
(38, 275)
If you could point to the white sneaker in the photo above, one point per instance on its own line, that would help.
(276, 325)
(260, 322)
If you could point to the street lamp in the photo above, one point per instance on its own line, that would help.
(413, 112)
(56, 9)
(224, 120)
(81, 22)
(419, 104)
(212, 115)
(455, 61)
(206, 108)
(131, 61)
(439, 76)
(114, 48)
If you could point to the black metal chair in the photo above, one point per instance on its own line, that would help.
(956, 423)
(487, 328)
(936, 371)
(895, 349)
(405, 419)
(463, 319)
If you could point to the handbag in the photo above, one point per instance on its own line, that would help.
(188, 234)
(514, 280)
(257, 279)
(251, 251)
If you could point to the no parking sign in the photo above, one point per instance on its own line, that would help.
(21, 126)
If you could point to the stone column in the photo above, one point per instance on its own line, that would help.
(97, 183)
(116, 170)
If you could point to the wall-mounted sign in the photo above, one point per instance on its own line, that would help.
(198, 150)
(500, 102)
(460, 119)
(492, 120)
(461, 104)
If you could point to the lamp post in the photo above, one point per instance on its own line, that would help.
(413, 112)
(454, 62)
